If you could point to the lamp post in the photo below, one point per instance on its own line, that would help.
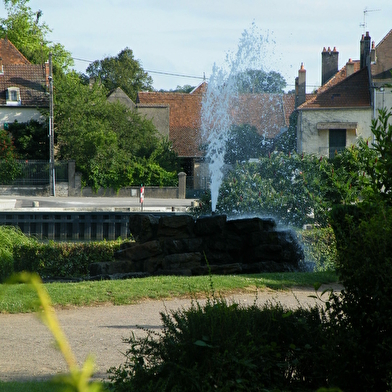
(52, 177)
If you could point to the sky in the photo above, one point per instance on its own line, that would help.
(178, 41)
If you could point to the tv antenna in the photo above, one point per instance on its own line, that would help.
(365, 12)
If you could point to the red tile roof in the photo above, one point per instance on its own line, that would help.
(19, 72)
(9, 54)
(269, 113)
(31, 81)
(353, 91)
(184, 119)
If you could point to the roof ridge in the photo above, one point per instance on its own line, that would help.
(385, 38)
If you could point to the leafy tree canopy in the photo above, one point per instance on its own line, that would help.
(31, 139)
(121, 71)
(24, 29)
(110, 143)
(244, 143)
(259, 81)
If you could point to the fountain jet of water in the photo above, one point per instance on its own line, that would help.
(221, 102)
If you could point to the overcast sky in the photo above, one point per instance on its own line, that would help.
(187, 37)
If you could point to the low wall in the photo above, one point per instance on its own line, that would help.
(149, 192)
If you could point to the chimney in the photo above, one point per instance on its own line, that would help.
(365, 50)
(373, 53)
(300, 86)
(349, 68)
(329, 64)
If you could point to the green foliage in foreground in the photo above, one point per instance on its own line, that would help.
(30, 386)
(20, 299)
(226, 347)
(9, 237)
(362, 316)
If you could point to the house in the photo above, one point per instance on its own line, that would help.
(342, 109)
(23, 86)
(179, 116)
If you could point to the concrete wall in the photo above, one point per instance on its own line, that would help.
(311, 140)
(18, 113)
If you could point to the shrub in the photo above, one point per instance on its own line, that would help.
(319, 248)
(62, 259)
(226, 347)
(361, 321)
(9, 237)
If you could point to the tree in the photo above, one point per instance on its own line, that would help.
(244, 143)
(110, 143)
(259, 81)
(121, 71)
(25, 30)
(31, 139)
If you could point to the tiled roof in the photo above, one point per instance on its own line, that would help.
(269, 113)
(9, 54)
(184, 119)
(353, 91)
(338, 77)
(31, 81)
(381, 68)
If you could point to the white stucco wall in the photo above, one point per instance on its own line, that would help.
(311, 140)
(8, 114)
(383, 98)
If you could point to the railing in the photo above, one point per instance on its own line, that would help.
(69, 226)
(33, 172)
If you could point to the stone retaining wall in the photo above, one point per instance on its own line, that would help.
(181, 245)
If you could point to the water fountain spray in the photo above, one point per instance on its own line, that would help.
(221, 102)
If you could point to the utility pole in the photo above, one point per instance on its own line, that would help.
(52, 176)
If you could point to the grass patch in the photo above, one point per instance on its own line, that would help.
(21, 299)
(29, 386)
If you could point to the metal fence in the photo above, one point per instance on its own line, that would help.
(33, 172)
(195, 189)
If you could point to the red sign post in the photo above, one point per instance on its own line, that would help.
(142, 196)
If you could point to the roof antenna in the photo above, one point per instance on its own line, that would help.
(365, 12)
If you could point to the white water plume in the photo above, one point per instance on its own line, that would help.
(220, 102)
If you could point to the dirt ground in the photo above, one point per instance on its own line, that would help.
(27, 350)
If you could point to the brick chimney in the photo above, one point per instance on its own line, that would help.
(300, 86)
(365, 50)
(349, 68)
(329, 64)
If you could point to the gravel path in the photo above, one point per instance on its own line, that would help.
(27, 350)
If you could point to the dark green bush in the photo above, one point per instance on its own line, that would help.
(62, 259)
(226, 347)
(361, 321)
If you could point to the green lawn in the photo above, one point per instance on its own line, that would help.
(20, 298)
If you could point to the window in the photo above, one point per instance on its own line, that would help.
(13, 96)
(337, 141)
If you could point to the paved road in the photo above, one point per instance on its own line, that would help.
(27, 202)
